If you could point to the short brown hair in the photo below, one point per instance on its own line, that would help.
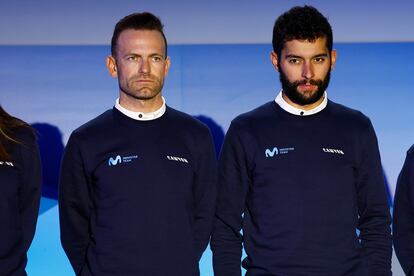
(137, 21)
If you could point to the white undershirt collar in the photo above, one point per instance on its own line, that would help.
(297, 111)
(140, 116)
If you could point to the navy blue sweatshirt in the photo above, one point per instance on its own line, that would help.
(403, 223)
(20, 187)
(298, 187)
(137, 197)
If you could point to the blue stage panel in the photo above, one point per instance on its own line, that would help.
(46, 255)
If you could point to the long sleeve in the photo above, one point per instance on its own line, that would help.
(403, 223)
(74, 205)
(233, 183)
(29, 194)
(204, 192)
(374, 214)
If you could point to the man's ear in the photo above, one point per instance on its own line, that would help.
(167, 65)
(333, 59)
(111, 66)
(274, 59)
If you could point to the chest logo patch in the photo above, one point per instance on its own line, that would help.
(178, 159)
(6, 163)
(113, 161)
(277, 151)
(335, 151)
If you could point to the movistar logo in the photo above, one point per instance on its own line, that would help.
(271, 153)
(113, 161)
(277, 151)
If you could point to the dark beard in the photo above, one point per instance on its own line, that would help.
(290, 89)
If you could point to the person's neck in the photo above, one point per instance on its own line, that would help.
(303, 107)
(137, 105)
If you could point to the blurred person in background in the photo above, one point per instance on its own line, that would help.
(20, 190)
(403, 217)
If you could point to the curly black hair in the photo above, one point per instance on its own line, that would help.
(301, 23)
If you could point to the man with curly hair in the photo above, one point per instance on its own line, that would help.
(300, 178)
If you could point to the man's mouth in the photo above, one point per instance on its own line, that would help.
(307, 86)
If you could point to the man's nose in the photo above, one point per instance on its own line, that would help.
(307, 70)
(144, 66)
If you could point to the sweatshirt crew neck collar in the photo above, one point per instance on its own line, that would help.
(297, 111)
(141, 116)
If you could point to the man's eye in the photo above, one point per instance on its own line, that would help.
(157, 59)
(319, 60)
(294, 61)
(132, 58)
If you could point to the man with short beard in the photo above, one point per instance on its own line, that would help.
(138, 183)
(300, 175)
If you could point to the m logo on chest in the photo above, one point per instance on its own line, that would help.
(114, 161)
(271, 153)
(277, 151)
